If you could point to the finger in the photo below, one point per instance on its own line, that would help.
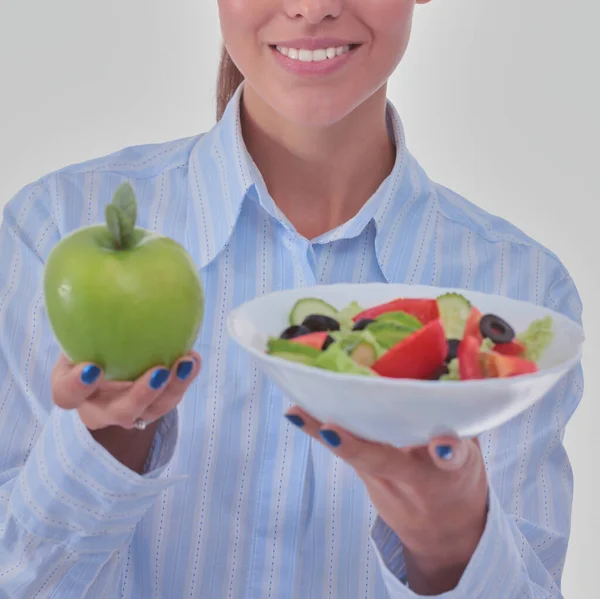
(364, 456)
(375, 459)
(449, 453)
(108, 409)
(184, 373)
(72, 383)
(304, 421)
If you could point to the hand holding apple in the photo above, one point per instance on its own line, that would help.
(121, 297)
(109, 409)
(103, 403)
(126, 306)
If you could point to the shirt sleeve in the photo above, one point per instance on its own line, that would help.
(523, 548)
(67, 507)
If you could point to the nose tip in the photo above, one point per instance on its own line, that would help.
(315, 11)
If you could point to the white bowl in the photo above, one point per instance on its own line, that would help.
(403, 412)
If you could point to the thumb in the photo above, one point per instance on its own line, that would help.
(449, 453)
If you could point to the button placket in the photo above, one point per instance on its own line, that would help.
(304, 259)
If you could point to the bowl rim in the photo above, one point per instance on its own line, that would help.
(559, 369)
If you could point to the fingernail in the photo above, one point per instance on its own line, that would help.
(90, 374)
(159, 378)
(295, 420)
(185, 369)
(444, 452)
(331, 438)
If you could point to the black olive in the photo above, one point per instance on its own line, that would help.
(439, 373)
(328, 341)
(452, 349)
(294, 331)
(318, 322)
(496, 329)
(362, 324)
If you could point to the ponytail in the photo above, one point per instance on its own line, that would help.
(228, 80)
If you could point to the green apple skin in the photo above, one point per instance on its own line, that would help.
(124, 310)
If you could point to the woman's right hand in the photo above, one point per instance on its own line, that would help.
(109, 409)
(102, 403)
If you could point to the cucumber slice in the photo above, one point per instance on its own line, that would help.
(310, 305)
(364, 354)
(454, 312)
(350, 341)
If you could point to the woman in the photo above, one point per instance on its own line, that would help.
(187, 483)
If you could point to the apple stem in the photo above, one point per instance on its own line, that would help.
(121, 215)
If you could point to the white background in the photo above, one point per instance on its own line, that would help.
(495, 96)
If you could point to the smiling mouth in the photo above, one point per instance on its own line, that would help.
(319, 55)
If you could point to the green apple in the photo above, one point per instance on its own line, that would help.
(123, 297)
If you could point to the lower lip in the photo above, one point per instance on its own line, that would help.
(323, 67)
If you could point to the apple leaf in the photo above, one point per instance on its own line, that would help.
(124, 200)
(121, 215)
(114, 225)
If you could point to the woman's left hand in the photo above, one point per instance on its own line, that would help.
(433, 497)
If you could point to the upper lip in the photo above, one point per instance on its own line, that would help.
(314, 43)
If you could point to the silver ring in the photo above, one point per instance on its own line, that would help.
(140, 424)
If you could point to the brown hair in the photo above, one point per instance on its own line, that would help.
(228, 80)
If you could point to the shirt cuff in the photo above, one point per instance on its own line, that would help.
(163, 445)
(495, 570)
(73, 491)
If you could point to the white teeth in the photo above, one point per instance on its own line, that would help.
(319, 55)
(313, 55)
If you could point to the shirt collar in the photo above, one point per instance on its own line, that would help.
(222, 174)
(404, 193)
(219, 179)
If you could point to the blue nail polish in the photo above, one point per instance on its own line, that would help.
(295, 420)
(90, 374)
(184, 369)
(331, 438)
(159, 378)
(444, 452)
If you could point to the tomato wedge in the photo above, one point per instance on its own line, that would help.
(507, 366)
(416, 357)
(472, 325)
(315, 340)
(469, 363)
(426, 310)
(514, 348)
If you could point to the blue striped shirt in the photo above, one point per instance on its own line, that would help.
(235, 503)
